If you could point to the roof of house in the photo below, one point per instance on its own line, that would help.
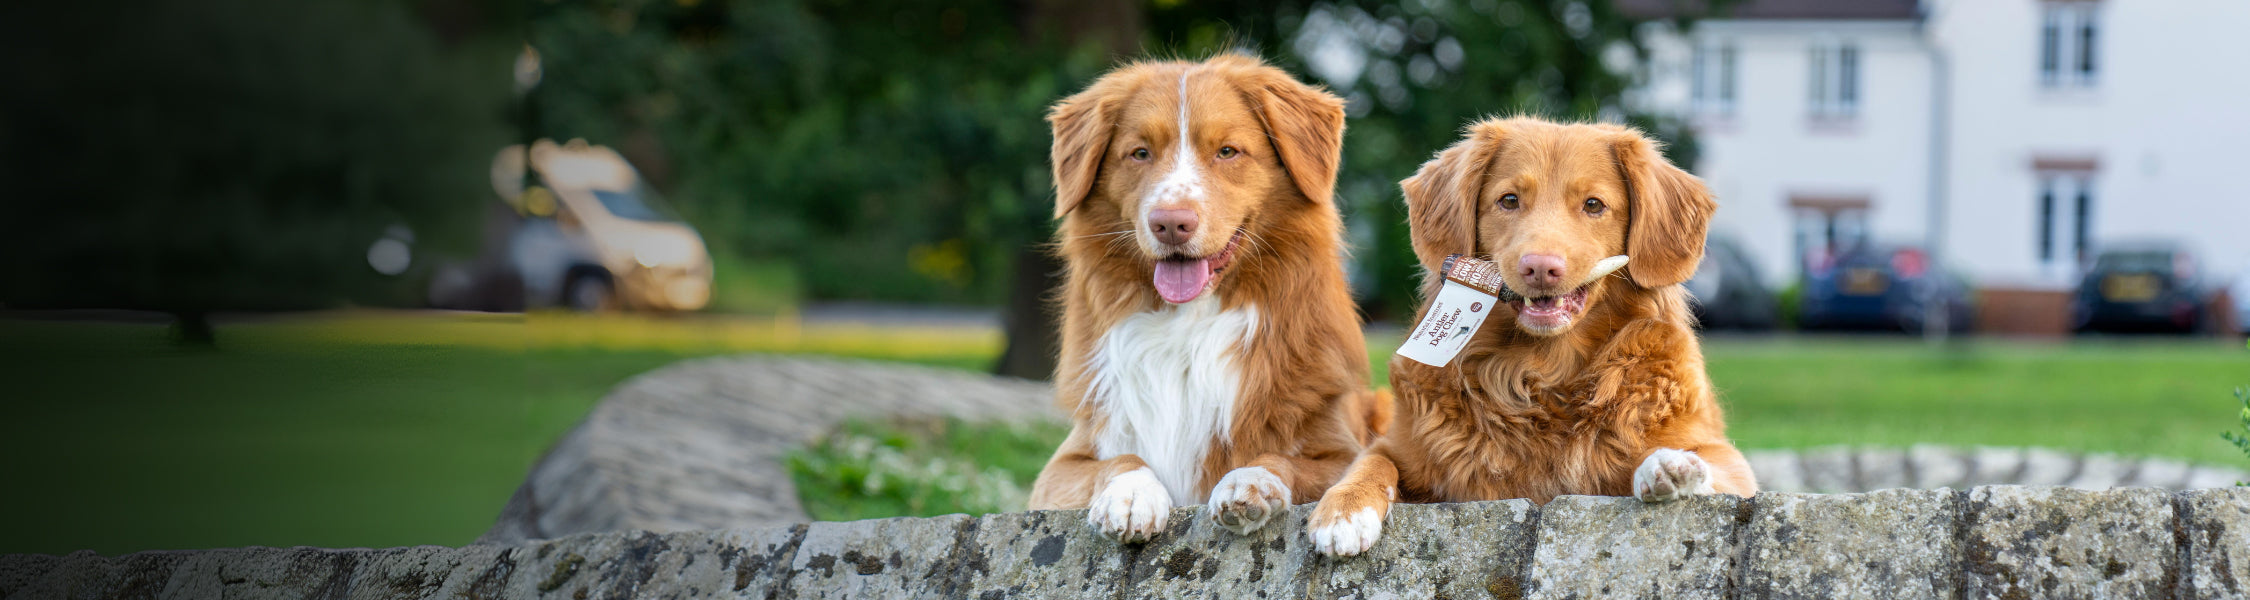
(1773, 9)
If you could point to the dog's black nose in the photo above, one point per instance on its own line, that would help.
(1172, 225)
(1540, 270)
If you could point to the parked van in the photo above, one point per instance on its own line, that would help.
(594, 236)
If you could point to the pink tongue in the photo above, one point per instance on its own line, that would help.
(1180, 281)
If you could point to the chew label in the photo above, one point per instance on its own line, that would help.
(1471, 292)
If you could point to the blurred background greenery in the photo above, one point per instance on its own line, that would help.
(882, 150)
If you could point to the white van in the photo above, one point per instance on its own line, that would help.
(594, 236)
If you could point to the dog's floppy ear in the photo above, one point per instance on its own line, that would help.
(1442, 197)
(1671, 213)
(1306, 125)
(1082, 128)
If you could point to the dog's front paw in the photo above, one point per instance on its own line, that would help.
(1131, 508)
(1670, 474)
(1246, 498)
(1340, 527)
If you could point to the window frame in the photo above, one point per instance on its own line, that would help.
(1836, 76)
(2069, 39)
(1712, 76)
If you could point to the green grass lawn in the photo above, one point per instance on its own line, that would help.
(339, 429)
(2137, 397)
(382, 429)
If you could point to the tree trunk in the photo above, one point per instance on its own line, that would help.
(193, 328)
(1033, 320)
(1034, 329)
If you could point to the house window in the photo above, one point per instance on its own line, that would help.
(1835, 80)
(2065, 221)
(1726, 78)
(2069, 44)
(1713, 80)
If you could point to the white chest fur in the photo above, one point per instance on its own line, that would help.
(1167, 382)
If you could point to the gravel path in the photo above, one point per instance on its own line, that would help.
(700, 445)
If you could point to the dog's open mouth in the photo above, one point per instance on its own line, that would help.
(1181, 279)
(1550, 312)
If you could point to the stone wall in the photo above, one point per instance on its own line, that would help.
(699, 445)
(1986, 542)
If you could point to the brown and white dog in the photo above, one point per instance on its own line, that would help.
(1211, 351)
(1594, 384)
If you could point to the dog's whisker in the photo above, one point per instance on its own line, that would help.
(1257, 241)
(1109, 234)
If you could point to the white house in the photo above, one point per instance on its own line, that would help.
(2038, 129)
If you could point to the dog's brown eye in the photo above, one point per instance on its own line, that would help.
(1510, 201)
(1228, 152)
(1139, 154)
(1595, 207)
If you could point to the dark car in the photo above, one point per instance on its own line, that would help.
(2150, 287)
(1876, 286)
(1727, 292)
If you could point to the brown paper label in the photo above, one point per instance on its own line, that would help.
(1479, 274)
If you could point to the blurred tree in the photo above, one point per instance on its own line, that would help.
(197, 155)
(895, 149)
(890, 149)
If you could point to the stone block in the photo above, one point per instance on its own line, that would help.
(1993, 466)
(1041, 555)
(1936, 466)
(1613, 547)
(2159, 472)
(1197, 558)
(1888, 544)
(434, 572)
(2101, 472)
(2214, 477)
(19, 571)
(738, 562)
(2051, 542)
(1458, 550)
(893, 559)
(1777, 470)
(86, 575)
(278, 573)
(1882, 469)
(2042, 466)
(1829, 470)
(2217, 527)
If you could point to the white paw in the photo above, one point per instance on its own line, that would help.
(1347, 536)
(1131, 508)
(1670, 474)
(1246, 498)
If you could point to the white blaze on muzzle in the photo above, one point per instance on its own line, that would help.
(1179, 280)
(1184, 183)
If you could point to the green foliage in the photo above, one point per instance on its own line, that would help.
(1788, 302)
(887, 149)
(193, 155)
(866, 470)
(2241, 441)
(744, 286)
(896, 149)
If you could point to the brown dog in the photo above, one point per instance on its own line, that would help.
(1596, 383)
(1209, 340)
